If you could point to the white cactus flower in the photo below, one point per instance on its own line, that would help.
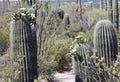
(33, 15)
(23, 14)
(74, 50)
(22, 8)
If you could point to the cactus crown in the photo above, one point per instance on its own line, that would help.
(102, 25)
(23, 13)
(78, 43)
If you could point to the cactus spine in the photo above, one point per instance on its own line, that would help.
(109, 10)
(105, 41)
(115, 14)
(22, 49)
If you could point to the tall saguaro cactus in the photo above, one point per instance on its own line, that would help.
(109, 10)
(23, 48)
(105, 4)
(66, 21)
(115, 14)
(79, 3)
(101, 4)
(28, 2)
(105, 41)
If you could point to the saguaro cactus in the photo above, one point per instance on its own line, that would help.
(23, 48)
(105, 41)
(105, 4)
(109, 10)
(80, 51)
(101, 4)
(80, 7)
(115, 14)
(28, 2)
(66, 21)
(79, 57)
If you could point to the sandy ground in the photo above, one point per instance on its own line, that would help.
(65, 77)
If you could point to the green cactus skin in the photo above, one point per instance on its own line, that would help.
(115, 14)
(22, 45)
(80, 7)
(58, 4)
(80, 56)
(66, 21)
(109, 10)
(105, 41)
(25, 2)
(105, 4)
(28, 2)
(46, 8)
(33, 2)
(101, 4)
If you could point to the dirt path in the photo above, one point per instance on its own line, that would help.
(64, 77)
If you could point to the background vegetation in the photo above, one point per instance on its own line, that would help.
(56, 39)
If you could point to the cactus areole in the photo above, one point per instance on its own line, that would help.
(105, 41)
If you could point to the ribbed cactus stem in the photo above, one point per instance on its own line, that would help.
(23, 51)
(109, 10)
(105, 41)
(28, 2)
(80, 8)
(101, 4)
(33, 2)
(14, 49)
(105, 4)
(79, 57)
(115, 14)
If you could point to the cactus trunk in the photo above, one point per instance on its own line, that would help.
(115, 14)
(28, 2)
(105, 41)
(80, 57)
(109, 10)
(105, 4)
(66, 22)
(23, 51)
(80, 8)
(101, 5)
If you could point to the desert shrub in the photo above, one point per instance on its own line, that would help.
(4, 39)
(4, 20)
(46, 69)
(94, 13)
(5, 65)
(58, 48)
(118, 36)
(69, 7)
(5, 72)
